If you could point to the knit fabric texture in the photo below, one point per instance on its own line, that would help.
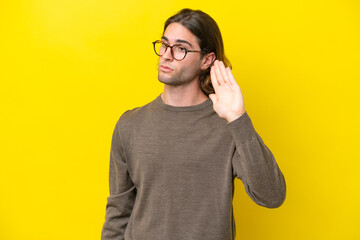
(172, 172)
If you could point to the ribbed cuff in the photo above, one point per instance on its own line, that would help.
(241, 128)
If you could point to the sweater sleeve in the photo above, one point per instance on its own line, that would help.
(122, 192)
(254, 164)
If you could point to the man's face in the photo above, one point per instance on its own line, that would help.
(171, 71)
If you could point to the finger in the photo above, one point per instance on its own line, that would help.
(230, 77)
(218, 73)
(223, 72)
(214, 80)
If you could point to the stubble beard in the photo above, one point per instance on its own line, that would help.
(182, 78)
(173, 81)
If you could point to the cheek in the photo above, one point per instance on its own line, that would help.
(194, 66)
(188, 67)
(192, 63)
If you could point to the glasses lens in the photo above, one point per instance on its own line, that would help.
(160, 48)
(179, 52)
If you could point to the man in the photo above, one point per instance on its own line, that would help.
(173, 161)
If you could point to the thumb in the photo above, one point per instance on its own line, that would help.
(213, 98)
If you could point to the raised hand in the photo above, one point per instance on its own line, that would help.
(228, 100)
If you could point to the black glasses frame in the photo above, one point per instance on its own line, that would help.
(171, 51)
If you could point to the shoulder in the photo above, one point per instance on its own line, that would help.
(135, 115)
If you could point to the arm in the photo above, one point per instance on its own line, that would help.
(252, 161)
(122, 192)
(254, 164)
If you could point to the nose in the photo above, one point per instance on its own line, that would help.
(167, 54)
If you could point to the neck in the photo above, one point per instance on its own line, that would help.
(183, 95)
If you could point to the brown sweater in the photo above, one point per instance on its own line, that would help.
(172, 173)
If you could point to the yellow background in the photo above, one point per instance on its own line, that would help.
(70, 68)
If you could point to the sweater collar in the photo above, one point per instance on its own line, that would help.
(204, 104)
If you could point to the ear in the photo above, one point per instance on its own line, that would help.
(207, 60)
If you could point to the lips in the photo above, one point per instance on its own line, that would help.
(165, 68)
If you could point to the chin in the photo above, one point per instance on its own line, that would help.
(168, 80)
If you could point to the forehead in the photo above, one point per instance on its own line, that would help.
(176, 32)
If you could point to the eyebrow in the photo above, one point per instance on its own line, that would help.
(177, 40)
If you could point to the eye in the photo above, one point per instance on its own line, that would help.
(180, 48)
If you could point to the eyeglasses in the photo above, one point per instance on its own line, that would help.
(178, 51)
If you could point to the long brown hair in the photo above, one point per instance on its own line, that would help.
(209, 39)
